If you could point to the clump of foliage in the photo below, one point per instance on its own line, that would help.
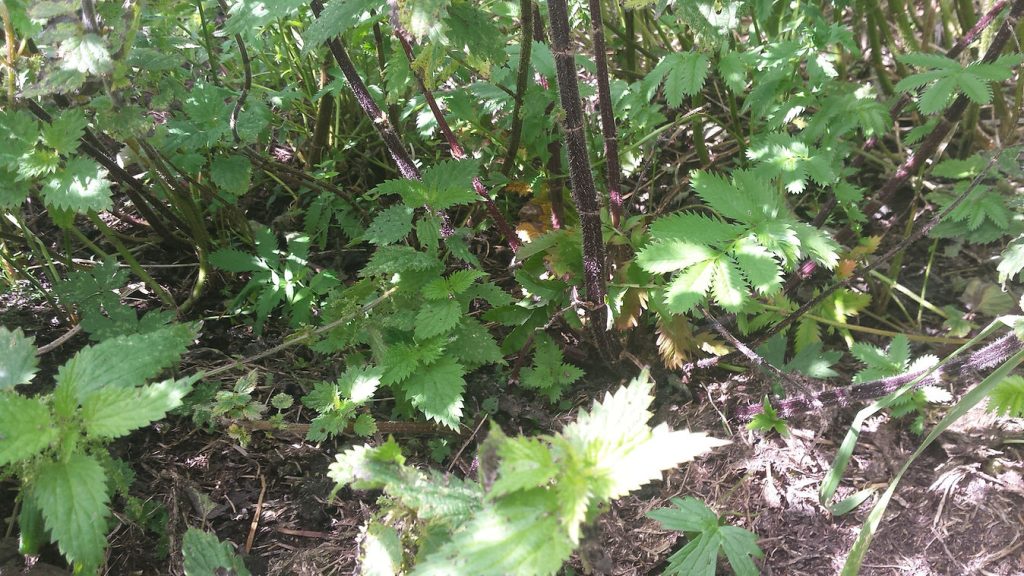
(55, 443)
(708, 536)
(526, 513)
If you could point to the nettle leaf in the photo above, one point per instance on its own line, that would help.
(359, 383)
(549, 373)
(526, 463)
(627, 453)
(63, 133)
(13, 190)
(1011, 261)
(19, 362)
(397, 259)
(474, 346)
(424, 18)
(248, 17)
(125, 361)
(231, 174)
(205, 555)
(520, 534)
(436, 390)
(114, 412)
(81, 187)
(447, 184)
(26, 428)
(683, 73)
(449, 500)
(437, 317)
(73, 496)
(391, 225)
(86, 54)
(337, 18)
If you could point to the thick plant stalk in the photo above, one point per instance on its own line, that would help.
(380, 121)
(515, 135)
(581, 180)
(455, 149)
(604, 103)
(958, 370)
(403, 161)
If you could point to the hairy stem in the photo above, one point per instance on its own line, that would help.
(581, 179)
(515, 135)
(604, 103)
(454, 148)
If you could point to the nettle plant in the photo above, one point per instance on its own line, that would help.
(426, 337)
(535, 495)
(55, 443)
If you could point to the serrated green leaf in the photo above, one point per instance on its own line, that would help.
(72, 495)
(922, 60)
(19, 362)
(87, 54)
(474, 346)
(694, 227)
(684, 74)
(1011, 262)
(759, 268)
(63, 133)
(628, 453)
(449, 183)
(663, 256)
(733, 72)
(689, 515)
(26, 428)
(507, 537)
(381, 551)
(391, 225)
(437, 317)
(232, 260)
(123, 362)
(359, 383)
(338, 17)
(13, 191)
(436, 390)
(526, 463)
(689, 288)
(114, 412)
(935, 97)
(728, 287)
(364, 425)
(81, 187)
(397, 259)
(205, 555)
(549, 373)
(722, 196)
(231, 174)
(975, 88)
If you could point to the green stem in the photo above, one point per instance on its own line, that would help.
(129, 259)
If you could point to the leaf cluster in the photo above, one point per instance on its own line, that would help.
(526, 514)
(55, 443)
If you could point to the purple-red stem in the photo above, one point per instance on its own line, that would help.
(581, 179)
(455, 149)
(604, 103)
